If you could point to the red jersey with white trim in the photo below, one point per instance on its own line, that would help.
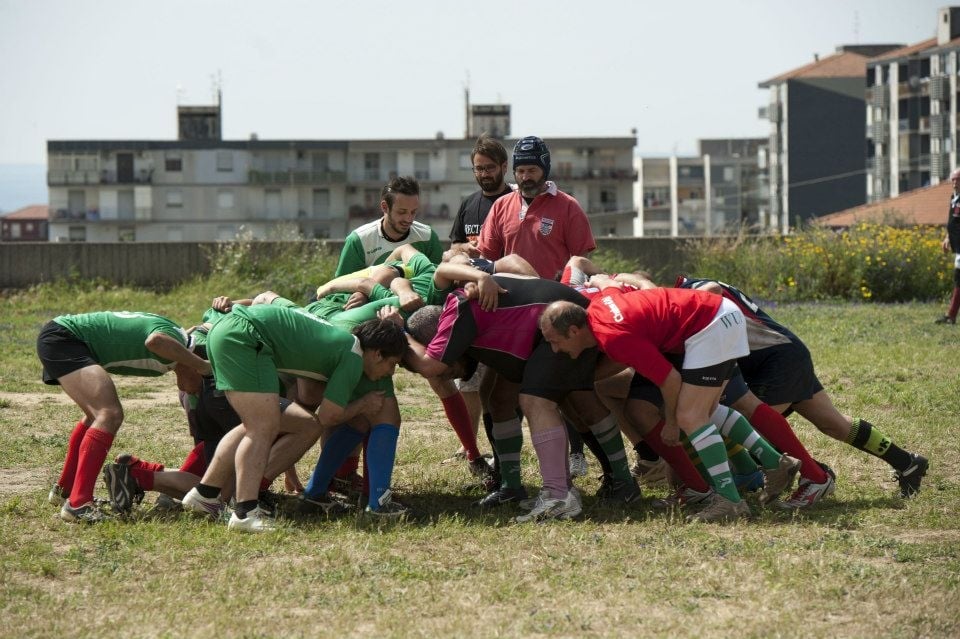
(637, 327)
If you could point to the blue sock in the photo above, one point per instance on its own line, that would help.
(336, 449)
(381, 452)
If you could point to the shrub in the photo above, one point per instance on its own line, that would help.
(867, 262)
(289, 267)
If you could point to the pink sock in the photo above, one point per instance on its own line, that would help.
(551, 447)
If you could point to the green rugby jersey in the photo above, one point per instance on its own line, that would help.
(305, 345)
(116, 339)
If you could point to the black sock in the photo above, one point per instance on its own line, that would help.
(574, 437)
(488, 429)
(866, 437)
(645, 453)
(244, 507)
(597, 449)
(209, 492)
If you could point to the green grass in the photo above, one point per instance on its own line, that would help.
(862, 564)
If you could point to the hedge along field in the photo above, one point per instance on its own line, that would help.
(863, 563)
(868, 262)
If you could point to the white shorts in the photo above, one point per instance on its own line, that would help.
(956, 260)
(723, 339)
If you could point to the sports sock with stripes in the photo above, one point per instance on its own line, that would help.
(608, 434)
(678, 459)
(508, 441)
(866, 437)
(736, 428)
(597, 449)
(709, 444)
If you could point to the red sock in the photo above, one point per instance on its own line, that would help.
(348, 467)
(365, 490)
(265, 483)
(776, 429)
(196, 461)
(954, 303)
(459, 418)
(678, 459)
(73, 454)
(144, 476)
(93, 452)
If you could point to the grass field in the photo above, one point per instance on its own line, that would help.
(862, 564)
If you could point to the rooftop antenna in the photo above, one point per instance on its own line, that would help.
(856, 27)
(466, 105)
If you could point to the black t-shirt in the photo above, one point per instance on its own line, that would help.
(953, 223)
(471, 215)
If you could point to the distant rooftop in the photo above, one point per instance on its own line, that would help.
(31, 212)
(924, 206)
(850, 61)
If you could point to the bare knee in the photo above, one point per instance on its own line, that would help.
(109, 419)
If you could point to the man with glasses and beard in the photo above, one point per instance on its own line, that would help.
(489, 160)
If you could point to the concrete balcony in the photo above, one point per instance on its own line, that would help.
(292, 177)
(103, 176)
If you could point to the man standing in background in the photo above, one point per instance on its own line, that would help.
(951, 243)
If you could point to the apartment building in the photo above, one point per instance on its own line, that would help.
(815, 158)
(203, 188)
(717, 192)
(911, 116)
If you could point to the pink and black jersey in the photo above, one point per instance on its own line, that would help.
(638, 327)
(502, 339)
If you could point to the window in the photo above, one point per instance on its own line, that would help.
(126, 234)
(77, 234)
(15, 231)
(174, 199)
(421, 166)
(225, 200)
(225, 161)
(466, 163)
(371, 166)
(321, 203)
(728, 174)
(173, 162)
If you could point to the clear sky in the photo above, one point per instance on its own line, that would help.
(674, 70)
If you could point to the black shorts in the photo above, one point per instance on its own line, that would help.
(713, 376)
(553, 375)
(214, 417)
(61, 352)
(643, 389)
(781, 374)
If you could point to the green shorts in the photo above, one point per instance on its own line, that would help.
(364, 386)
(241, 360)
